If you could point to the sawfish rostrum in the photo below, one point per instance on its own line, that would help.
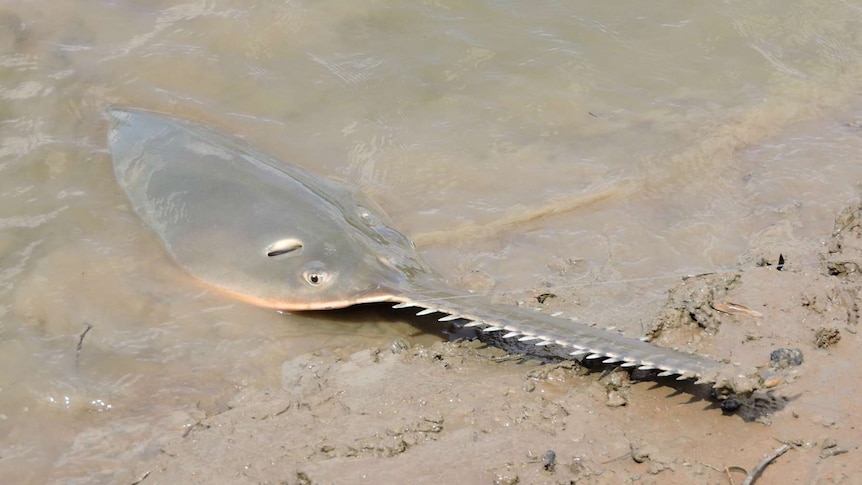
(276, 235)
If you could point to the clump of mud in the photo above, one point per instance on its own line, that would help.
(826, 337)
(844, 251)
(690, 306)
(789, 297)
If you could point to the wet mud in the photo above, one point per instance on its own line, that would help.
(466, 412)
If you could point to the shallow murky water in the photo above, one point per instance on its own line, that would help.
(638, 140)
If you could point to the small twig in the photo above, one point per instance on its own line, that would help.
(730, 469)
(81, 342)
(144, 477)
(710, 466)
(729, 476)
(755, 473)
(827, 454)
(621, 457)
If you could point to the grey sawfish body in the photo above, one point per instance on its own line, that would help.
(276, 235)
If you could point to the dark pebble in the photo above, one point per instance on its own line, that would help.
(784, 358)
(730, 405)
(550, 460)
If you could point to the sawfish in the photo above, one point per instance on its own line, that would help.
(277, 235)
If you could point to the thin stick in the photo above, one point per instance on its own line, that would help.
(755, 473)
(81, 342)
(729, 476)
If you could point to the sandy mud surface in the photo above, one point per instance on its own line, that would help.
(462, 412)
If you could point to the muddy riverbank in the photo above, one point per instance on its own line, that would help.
(464, 412)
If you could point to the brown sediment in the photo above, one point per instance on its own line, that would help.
(557, 206)
(458, 411)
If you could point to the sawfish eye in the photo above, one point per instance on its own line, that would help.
(284, 246)
(315, 278)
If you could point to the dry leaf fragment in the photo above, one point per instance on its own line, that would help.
(735, 309)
